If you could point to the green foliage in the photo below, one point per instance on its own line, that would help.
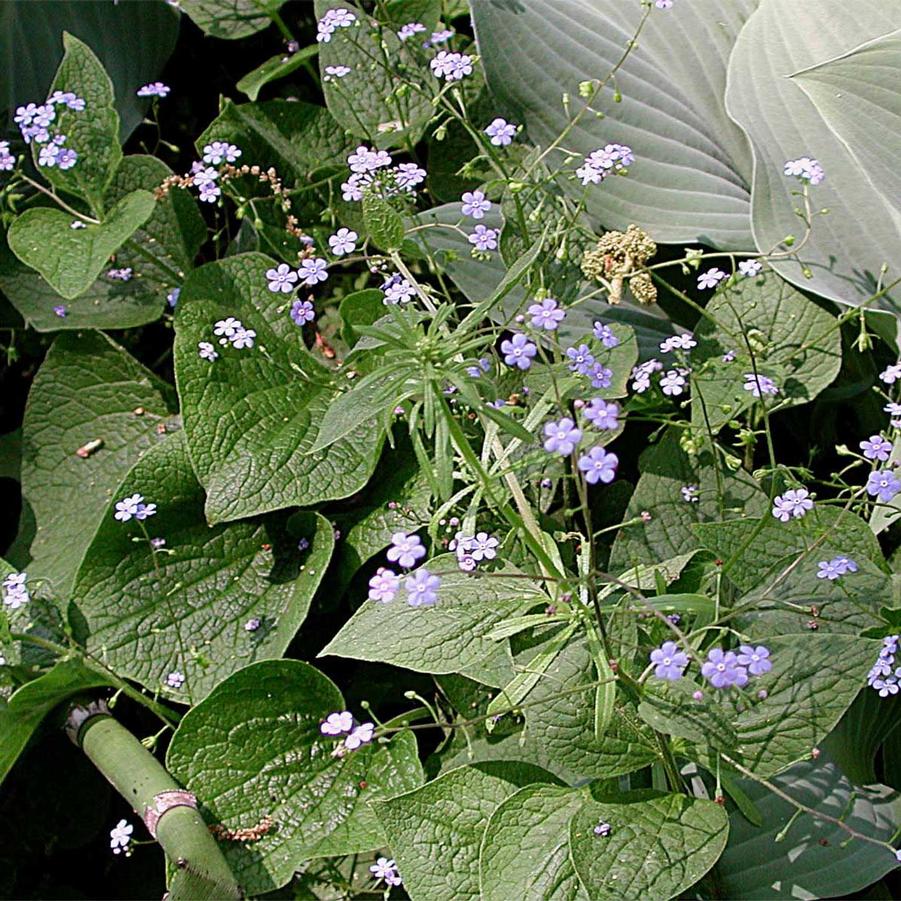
(231, 19)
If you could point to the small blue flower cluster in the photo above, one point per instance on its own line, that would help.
(421, 585)
(34, 122)
(884, 676)
(722, 669)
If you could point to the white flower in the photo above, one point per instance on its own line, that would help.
(243, 338)
(362, 735)
(206, 351)
(175, 679)
(337, 723)
(128, 507)
(750, 268)
(711, 278)
(673, 382)
(227, 327)
(120, 836)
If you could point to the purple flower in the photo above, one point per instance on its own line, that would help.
(546, 314)
(133, 506)
(641, 375)
(678, 342)
(331, 21)
(883, 484)
(362, 735)
(806, 170)
(501, 132)
(61, 310)
(253, 624)
(598, 466)
(337, 723)
(451, 66)
(580, 359)
(605, 335)
(792, 505)
(518, 351)
(397, 290)
(343, 241)
(750, 268)
(154, 89)
(409, 175)
(384, 585)
(601, 376)
(759, 385)
(663, 4)
(891, 374)
(302, 312)
(206, 351)
(602, 414)
(172, 297)
(755, 659)
(422, 588)
(409, 30)
(689, 493)
(561, 437)
(406, 549)
(364, 159)
(711, 278)
(69, 100)
(669, 662)
(484, 239)
(283, 279)
(673, 382)
(220, 151)
(385, 870)
(602, 829)
(313, 271)
(475, 204)
(602, 162)
(722, 669)
(876, 448)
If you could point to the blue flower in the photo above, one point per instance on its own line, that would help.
(883, 484)
(518, 351)
(669, 662)
(422, 588)
(722, 669)
(598, 466)
(561, 437)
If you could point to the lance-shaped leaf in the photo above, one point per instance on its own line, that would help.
(253, 748)
(159, 253)
(435, 832)
(71, 258)
(690, 178)
(186, 608)
(449, 637)
(862, 231)
(93, 410)
(231, 19)
(273, 69)
(252, 416)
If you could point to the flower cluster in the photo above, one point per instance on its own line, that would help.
(471, 550)
(385, 870)
(34, 122)
(154, 89)
(218, 152)
(451, 66)
(133, 507)
(722, 669)
(375, 170)
(836, 568)
(605, 161)
(15, 591)
(808, 171)
(884, 677)
(353, 735)
(120, 837)
(397, 290)
(421, 586)
(232, 331)
(793, 504)
(7, 159)
(331, 22)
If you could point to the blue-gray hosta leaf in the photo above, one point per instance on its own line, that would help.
(212, 600)
(862, 230)
(692, 170)
(252, 415)
(231, 19)
(254, 749)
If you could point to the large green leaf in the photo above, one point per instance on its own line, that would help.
(665, 468)
(253, 748)
(87, 390)
(435, 832)
(692, 169)
(131, 38)
(480, 279)
(160, 253)
(863, 228)
(451, 636)
(27, 707)
(658, 846)
(794, 342)
(185, 608)
(93, 132)
(810, 858)
(71, 258)
(231, 19)
(252, 415)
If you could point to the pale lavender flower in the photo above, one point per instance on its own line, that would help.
(561, 437)
(750, 268)
(518, 351)
(876, 448)
(15, 591)
(365, 159)
(243, 338)
(175, 679)
(439, 37)
(883, 484)
(210, 192)
(794, 504)
(723, 670)
(689, 493)
(711, 278)
(206, 351)
(69, 100)
(397, 290)
(302, 312)
(409, 175)
(601, 163)
(343, 241)
(405, 550)
(172, 297)
(338, 723)
(282, 279)
(759, 385)
(331, 21)
(756, 659)
(253, 624)
(728, 356)
(384, 585)
(580, 359)
(154, 89)
(641, 375)
(336, 72)
(678, 342)
(475, 204)
(361, 735)
(546, 314)
(501, 132)
(7, 159)
(484, 239)
(673, 382)
(384, 870)
(663, 4)
(891, 374)
(484, 365)
(602, 829)
(669, 661)
(128, 507)
(483, 546)
(227, 327)
(220, 151)
(120, 837)
(451, 66)
(602, 414)
(120, 275)
(806, 170)
(409, 30)
(313, 271)
(605, 335)
(601, 376)
(835, 568)
(598, 466)
(422, 588)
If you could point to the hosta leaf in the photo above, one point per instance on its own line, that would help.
(71, 258)
(27, 707)
(478, 280)
(657, 846)
(93, 132)
(814, 858)
(665, 468)
(863, 228)
(435, 832)
(297, 138)
(160, 252)
(451, 636)
(273, 69)
(185, 609)
(525, 851)
(231, 19)
(87, 390)
(253, 748)
(252, 415)
(692, 169)
(795, 343)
